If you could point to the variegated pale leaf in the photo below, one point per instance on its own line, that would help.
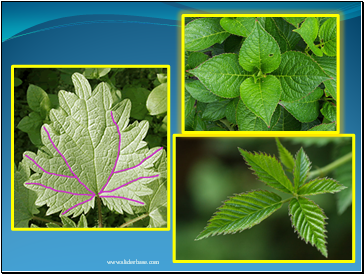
(91, 151)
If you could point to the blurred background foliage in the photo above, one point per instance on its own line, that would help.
(133, 83)
(209, 170)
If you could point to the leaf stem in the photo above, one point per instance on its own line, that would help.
(330, 167)
(99, 210)
(141, 217)
(46, 220)
(286, 200)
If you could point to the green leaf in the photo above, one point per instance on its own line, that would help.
(200, 92)
(203, 33)
(195, 59)
(230, 111)
(307, 126)
(282, 32)
(301, 168)
(35, 96)
(95, 73)
(285, 156)
(261, 97)
(309, 222)
(328, 64)
(286, 122)
(299, 75)
(82, 222)
(90, 149)
(67, 222)
(215, 111)
(222, 75)
(157, 100)
(260, 51)
(268, 170)
(329, 111)
(162, 78)
(189, 103)
(199, 124)
(233, 44)
(295, 21)
(24, 199)
(34, 136)
(28, 123)
(344, 175)
(306, 109)
(308, 31)
(17, 82)
(248, 121)
(138, 97)
(327, 36)
(324, 127)
(242, 211)
(241, 26)
(320, 186)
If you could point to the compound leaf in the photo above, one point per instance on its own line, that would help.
(301, 168)
(241, 26)
(24, 199)
(285, 156)
(320, 186)
(299, 75)
(328, 38)
(262, 96)
(203, 33)
(260, 51)
(306, 109)
(269, 170)
(90, 151)
(308, 220)
(308, 31)
(222, 75)
(242, 211)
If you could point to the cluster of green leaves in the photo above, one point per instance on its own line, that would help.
(244, 210)
(260, 74)
(82, 128)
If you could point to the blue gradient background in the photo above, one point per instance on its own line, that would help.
(138, 33)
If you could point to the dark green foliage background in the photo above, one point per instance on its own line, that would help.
(209, 170)
(52, 80)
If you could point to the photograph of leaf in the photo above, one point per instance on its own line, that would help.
(96, 154)
(291, 175)
(260, 73)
